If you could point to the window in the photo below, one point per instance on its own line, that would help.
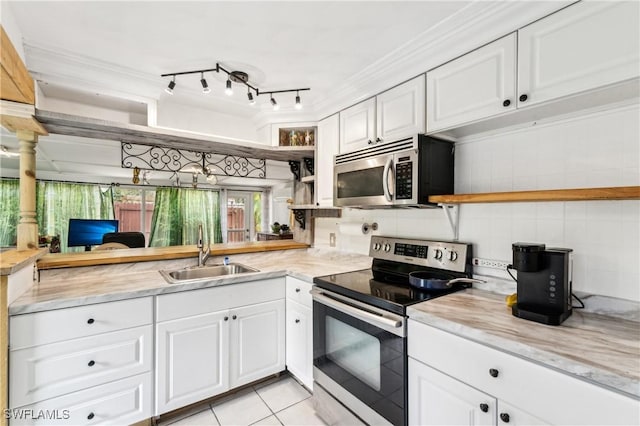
(244, 215)
(133, 207)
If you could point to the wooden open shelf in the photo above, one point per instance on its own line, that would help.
(582, 194)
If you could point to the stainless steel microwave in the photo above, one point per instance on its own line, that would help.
(403, 173)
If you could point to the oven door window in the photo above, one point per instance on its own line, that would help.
(365, 360)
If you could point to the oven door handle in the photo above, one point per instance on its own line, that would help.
(388, 168)
(389, 322)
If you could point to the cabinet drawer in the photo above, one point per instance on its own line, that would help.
(47, 371)
(122, 402)
(202, 301)
(70, 323)
(299, 291)
(553, 396)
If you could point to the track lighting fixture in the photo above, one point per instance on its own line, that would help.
(228, 91)
(298, 104)
(205, 86)
(235, 77)
(172, 84)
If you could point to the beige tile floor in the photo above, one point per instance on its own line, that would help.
(282, 401)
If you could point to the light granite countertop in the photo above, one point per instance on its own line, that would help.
(599, 349)
(68, 287)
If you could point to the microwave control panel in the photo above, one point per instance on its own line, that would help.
(404, 180)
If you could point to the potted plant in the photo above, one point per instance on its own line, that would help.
(275, 228)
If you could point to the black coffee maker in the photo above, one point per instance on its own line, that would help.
(544, 283)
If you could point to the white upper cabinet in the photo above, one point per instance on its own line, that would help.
(400, 111)
(477, 85)
(328, 144)
(584, 46)
(358, 126)
(392, 115)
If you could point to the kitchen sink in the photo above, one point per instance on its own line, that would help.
(205, 272)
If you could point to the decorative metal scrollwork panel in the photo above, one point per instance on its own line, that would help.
(152, 157)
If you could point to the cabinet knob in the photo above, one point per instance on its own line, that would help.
(234, 317)
(369, 141)
(226, 318)
(493, 372)
(523, 98)
(297, 321)
(378, 139)
(90, 416)
(297, 290)
(90, 321)
(506, 103)
(504, 417)
(484, 407)
(91, 363)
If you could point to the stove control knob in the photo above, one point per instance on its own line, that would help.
(438, 254)
(387, 247)
(453, 255)
(376, 247)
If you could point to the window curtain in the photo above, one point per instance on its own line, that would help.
(10, 211)
(57, 202)
(177, 214)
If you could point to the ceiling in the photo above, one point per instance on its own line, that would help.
(110, 55)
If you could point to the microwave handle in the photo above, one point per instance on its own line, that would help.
(388, 167)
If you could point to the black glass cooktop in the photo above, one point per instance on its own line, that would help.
(392, 295)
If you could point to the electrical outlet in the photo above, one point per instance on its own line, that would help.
(488, 263)
(332, 239)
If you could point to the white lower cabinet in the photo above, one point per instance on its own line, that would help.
(450, 377)
(192, 359)
(300, 330)
(82, 365)
(207, 353)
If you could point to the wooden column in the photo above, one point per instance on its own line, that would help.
(27, 226)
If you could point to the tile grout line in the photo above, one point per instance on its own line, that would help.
(214, 414)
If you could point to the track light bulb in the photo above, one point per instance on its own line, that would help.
(205, 86)
(275, 104)
(298, 105)
(250, 97)
(172, 84)
(228, 91)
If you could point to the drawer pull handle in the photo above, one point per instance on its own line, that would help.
(484, 407)
(504, 417)
(297, 321)
(506, 103)
(226, 318)
(91, 363)
(90, 416)
(297, 290)
(234, 317)
(90, 321)
(523, 98)
(493, 372)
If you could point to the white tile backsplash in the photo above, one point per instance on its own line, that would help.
(595, 150)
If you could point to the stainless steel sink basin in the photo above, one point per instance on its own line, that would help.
(205, 272)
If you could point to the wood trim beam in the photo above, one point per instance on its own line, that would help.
(16, 116)
(16, 83)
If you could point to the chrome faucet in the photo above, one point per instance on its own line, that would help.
(203, 254)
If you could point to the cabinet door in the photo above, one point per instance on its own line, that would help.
(300, 342)
(510, 415)
(358, 126)
(192, 360)
(437, 399)
(257, 342)
(584, 46)
(477, 85)
(400, 111)
(327, 147)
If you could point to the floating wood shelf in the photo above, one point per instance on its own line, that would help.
(582, 194)
(308, 179)
(312, 207)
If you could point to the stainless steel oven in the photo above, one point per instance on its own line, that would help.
(359, 356)
(401, 174)
(359, 328)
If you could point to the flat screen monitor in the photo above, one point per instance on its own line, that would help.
(89, 232)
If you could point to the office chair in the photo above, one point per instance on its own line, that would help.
(130, 239)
